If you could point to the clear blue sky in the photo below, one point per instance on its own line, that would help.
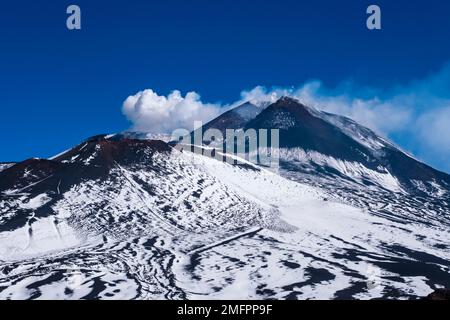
(58, 87)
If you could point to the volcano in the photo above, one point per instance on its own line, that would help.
(347, 215)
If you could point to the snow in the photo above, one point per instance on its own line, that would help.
(321, 229)
(36, 202)
(187, 226)
(4, 166)
(431, 187)
(44, 237)
(59, 154)
(355, 170)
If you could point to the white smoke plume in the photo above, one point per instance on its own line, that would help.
(419, 110)
(150, 112)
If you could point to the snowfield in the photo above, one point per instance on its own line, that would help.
(184, 226)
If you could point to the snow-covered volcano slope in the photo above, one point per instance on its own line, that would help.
(137, 219)
(317, 143)
(4, 166)
(330, 250)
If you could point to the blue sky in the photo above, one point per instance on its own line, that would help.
(58, 87)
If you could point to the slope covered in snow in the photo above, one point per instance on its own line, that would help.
(122, 218)
(4, 166)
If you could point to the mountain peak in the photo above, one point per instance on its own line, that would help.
(288, 99)
(291, 106)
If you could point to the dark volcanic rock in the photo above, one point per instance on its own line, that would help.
(440, 294)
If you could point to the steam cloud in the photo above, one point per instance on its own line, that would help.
(419, 110)
(150, 112)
